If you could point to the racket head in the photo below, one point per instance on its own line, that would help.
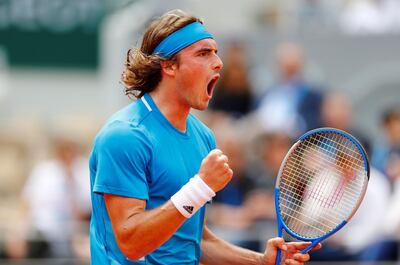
(320, 184)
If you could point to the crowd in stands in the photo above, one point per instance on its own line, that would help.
(255, 133)
(265, 133)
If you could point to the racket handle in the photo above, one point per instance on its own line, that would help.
(278, 257)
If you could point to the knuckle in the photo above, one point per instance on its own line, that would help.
(222, 159)
(217, 152)
(289, 262)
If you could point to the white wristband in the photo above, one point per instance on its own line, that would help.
(192, 196)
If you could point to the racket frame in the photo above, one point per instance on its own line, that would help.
(282, 225)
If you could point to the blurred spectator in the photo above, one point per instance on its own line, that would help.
(386, 153)
(363, 237)
(248, 198)
(292, 105)
(393, 221)
(57, 197)
(271, 148)
(371, 16)
(363, 16)
(228, 204)
(233, 94)
(337, 113)
(317, 15)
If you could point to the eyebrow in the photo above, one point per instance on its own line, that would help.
(207, 49)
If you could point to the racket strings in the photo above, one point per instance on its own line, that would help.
(301, 210)
(324, 201)
(335, 159)
(294, 168)
(311, 172)
(298, 200)
(321, 184)
(354, 159)
(324, 204)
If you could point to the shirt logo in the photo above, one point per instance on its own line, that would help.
(189, 209)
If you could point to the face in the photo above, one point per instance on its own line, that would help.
(393, 130)
(197, 73)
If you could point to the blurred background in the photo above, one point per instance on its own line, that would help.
(289, 66)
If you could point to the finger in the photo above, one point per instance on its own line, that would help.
(293, 262)
(293, 246)
(301, 257)
(223, 158)
(226, 166)
(297, 246)
(275, 243)
(317, 246)
(216, 152)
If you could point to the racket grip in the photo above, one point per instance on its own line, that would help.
(278, 257)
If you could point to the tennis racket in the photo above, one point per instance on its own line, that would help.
(320, 185)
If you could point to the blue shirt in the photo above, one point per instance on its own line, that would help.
(139, 154)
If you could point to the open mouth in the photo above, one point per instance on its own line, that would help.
(211, 85)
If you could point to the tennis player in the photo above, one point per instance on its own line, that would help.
(154, 165)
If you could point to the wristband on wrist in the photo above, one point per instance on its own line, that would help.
(192, 196)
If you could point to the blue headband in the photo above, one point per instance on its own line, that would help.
(181, 39)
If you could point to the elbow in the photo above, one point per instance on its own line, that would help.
(132, 255)
(131, 251)
(129, 247)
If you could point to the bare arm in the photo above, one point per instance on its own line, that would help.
(139, 232)
(217, 251)
(131, 222)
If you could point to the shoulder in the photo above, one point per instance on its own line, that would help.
(119, 148)
(125, 126)
(120, 136)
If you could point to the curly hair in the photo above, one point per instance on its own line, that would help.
(142, 71)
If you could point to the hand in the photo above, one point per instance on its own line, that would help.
(215, 170)
(290, 252)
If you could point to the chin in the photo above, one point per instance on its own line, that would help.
(201, 107)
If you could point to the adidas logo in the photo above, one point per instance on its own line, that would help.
(189, 209)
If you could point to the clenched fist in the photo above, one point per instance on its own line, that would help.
(215, 170)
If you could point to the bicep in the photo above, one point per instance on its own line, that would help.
(120, 209)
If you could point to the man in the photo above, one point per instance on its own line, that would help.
(154, 166)
(292, 105)
(56, 195)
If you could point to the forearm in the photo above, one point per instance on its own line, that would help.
(144, 231)
(217, 251)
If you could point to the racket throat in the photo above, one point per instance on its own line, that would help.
(315, 242)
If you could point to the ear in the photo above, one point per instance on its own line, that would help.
(168, 67)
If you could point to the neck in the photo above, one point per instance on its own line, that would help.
(171, 106)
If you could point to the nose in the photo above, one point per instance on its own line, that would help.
(217, 65)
